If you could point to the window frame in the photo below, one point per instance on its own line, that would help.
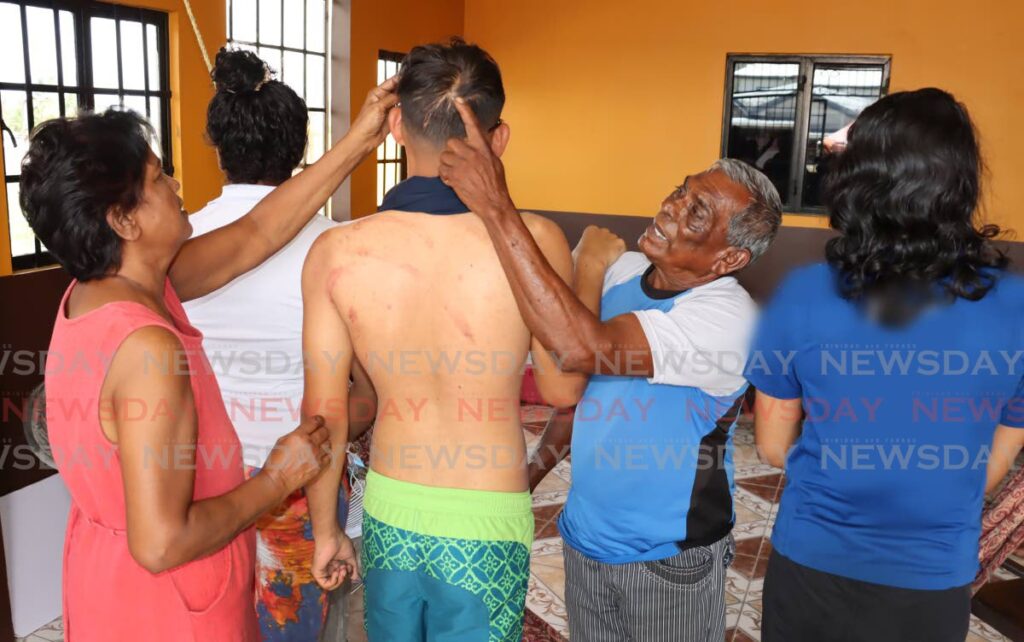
(85, 92)
(804, 96)
(326, 110)
(396, 57)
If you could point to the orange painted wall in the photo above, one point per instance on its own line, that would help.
(195, 162)
(392, 25)
(611, 102)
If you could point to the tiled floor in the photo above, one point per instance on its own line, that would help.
(757, 493)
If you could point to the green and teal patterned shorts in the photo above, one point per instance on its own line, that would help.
(444, 563)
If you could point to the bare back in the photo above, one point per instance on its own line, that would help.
(433, 320)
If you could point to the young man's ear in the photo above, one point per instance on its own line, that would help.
(123, 224)
(395, 125)
(499, 139)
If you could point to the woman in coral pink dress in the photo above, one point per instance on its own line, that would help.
(159, 541)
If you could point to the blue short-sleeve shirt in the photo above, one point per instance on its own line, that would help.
(886, 481)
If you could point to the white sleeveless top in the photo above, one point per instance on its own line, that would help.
(252, 329)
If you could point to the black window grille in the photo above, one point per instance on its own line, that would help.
(779, 109)
(60, 56)
(291, 36)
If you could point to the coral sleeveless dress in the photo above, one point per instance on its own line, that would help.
(108, 596)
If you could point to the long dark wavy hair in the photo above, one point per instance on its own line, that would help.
(903, 196)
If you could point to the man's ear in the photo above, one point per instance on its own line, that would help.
(499, 139)
(124, 224)
(732, 259)
(395, 125)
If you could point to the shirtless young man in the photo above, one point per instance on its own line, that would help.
(417, 295)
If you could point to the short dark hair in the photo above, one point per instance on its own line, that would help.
(75, 171)
(434, 75)
(258, 124)
(903, 196)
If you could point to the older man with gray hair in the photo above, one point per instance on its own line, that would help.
(664, 335)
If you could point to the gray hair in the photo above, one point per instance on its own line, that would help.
(755, 227)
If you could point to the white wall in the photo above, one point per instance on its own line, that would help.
(34, 520)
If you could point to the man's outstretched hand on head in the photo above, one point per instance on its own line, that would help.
(473, 170)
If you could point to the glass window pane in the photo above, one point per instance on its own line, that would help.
(273, 59)
(45, 106)
(382, 71)
(294, 27)
(294, 72)
(12, 51)
(395, 169)
(153, 53)
(70, 105)
(42, 46)
(243, 20)
(380, 183)
(838, 95)
(132, 59)
(390, 148)
(316, 81)
(155, 113)
(317, 137)
(105, 101)
(15, 114)
(136, 103)
(68, 52)
(316, 25)
(23, 241)
(270, 22)
(104, 52)
(763, 122)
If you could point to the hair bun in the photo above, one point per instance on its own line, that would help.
(239, 70)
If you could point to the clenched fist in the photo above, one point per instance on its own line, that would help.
(598, 248)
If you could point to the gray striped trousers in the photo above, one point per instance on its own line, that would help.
(677, 599)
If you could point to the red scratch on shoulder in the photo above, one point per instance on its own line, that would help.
(332, 278)
(410, 269)
(352, 316)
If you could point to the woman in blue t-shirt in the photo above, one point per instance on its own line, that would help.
(890, 385)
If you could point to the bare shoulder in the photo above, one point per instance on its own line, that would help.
(549, 236)
(332, 246)
(150, 358)
(542, 228)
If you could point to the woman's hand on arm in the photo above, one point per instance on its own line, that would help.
(155, 418)
(210, 261)
(777, 424)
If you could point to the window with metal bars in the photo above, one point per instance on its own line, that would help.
(781, 109)
(60, 56)
(291, 37)
(391, 169)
